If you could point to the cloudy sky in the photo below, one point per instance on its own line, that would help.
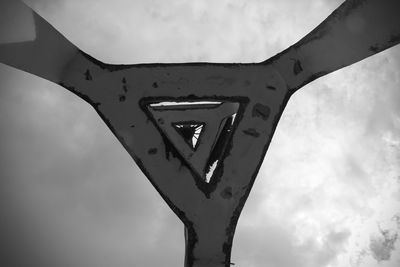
(328, 192)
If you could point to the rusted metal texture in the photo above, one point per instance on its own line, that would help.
(200, 131)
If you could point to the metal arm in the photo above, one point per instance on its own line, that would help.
(354, 31)
(30, 43)
(46, 56)
(124, 96)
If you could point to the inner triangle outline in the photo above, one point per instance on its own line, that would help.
(190, 132)
(212, 117)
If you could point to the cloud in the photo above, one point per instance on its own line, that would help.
(73, 197)
(382, 246)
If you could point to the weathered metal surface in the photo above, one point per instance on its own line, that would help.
(231, 110)
(211, 210)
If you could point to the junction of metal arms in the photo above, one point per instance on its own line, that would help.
(199, 131)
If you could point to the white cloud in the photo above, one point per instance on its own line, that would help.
(329, 178)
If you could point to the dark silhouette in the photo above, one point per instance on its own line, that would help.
(200, 130)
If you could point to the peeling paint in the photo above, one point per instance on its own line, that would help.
(152, 151)
(262, 111)
(124, 85)
(374, 48)
(208, 81)
(252, 132)
(88, 75)
(227, 193)
(297, 68)
(395, 38)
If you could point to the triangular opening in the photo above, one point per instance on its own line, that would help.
(224, 136)
(190, 132)
(200, 131)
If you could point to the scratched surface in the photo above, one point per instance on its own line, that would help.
(209, 210)
(120, 95)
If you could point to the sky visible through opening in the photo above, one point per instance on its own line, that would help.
(327, 194)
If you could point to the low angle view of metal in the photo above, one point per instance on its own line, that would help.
(199, 131)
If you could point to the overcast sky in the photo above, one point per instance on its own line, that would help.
(328, 192)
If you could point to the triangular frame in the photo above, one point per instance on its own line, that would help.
(202, 124)
(212, 116)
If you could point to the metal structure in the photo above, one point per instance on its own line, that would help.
(199, 131)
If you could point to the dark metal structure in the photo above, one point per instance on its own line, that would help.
(199, 131)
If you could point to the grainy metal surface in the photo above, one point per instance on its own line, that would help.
(209, 210)
(234, 135)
